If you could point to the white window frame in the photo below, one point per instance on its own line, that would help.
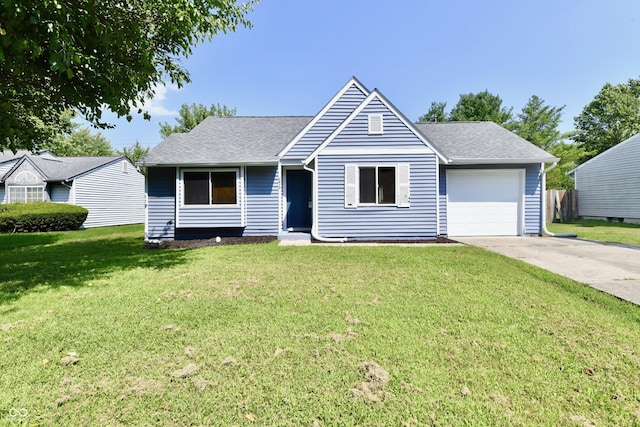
(402, 185)
(26, 188)
(210, 205)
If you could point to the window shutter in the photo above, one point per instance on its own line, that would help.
(375, 124)
(404, 186)
(350, 186)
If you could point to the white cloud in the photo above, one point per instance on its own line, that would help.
(154, 106)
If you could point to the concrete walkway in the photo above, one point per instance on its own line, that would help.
(609, 267)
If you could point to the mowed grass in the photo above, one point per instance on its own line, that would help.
(591, 229)
(269, 335)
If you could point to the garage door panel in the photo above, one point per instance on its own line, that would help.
(484, 203)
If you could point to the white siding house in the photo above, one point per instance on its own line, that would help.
(609, 184)
(110, 188)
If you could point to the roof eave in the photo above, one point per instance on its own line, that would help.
(500, 161)
(210, 164)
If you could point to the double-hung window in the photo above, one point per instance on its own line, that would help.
(215, 187)
(376, 185)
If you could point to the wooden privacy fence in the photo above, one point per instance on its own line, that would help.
(562, 205)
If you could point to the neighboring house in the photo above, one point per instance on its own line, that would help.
(111, 188)
(609, 184)
(357, 170)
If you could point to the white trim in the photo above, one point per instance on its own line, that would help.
(520, 225)
(499, 161)
(352, 82)
(241, 191)
(438, 197)
(375, 151)
(178, 196)
(356, 113)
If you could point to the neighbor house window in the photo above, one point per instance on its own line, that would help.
(210, 187)
(24, 194)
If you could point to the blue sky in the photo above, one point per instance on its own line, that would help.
(300, 53)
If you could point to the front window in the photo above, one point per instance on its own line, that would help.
(210, 187)
(25, 194)
(378, 185)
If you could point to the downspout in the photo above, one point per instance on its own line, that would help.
(545, 231)
(314, 226)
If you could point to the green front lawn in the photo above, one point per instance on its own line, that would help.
(613, 232)
(96, 330)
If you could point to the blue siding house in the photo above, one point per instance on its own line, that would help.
(357, 170)
(110, 188)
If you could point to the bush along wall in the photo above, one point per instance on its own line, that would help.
(44, 216)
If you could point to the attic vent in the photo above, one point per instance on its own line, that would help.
(375, 124)
(125, 166)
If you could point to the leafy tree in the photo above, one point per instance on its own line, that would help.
(81, 142)
(569, 155)
(96, 54)
(134, 152)
(481, 106)
(611, 117)
(538, 123)
(436, 113)
(191, 115)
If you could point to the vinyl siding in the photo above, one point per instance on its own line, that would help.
(609, 184)
(395, 134)
(326, 124)
(112, 196)
(59, 193)
(4, 168)
(262, 201)
(219, 216)
(377, 222)
(532, 200)
(161, 203)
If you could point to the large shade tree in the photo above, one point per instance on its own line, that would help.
(481, 106)
(190, 115)
(94, 55)
(611, 117)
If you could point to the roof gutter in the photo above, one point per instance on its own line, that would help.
(314, 226)
(545, 231)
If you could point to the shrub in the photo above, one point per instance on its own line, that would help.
(41, 216)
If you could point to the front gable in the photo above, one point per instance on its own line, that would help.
(375, 127)
(326, 121)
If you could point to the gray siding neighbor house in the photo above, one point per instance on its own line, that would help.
(357, 170)
(110, 188)
(609, 184)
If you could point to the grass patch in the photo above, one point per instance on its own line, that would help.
(98, 330)
(603, 231)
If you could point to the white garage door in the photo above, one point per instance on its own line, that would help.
(485, 202)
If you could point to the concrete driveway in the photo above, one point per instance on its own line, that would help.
(609, 267)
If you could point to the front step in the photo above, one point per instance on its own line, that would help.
(294, 238)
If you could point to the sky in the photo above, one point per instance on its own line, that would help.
(299, 53)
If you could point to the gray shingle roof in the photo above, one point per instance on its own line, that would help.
(7, 155)
(228, 140)
(481, 142)
(63, 168)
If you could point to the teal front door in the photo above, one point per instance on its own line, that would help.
(299, 200)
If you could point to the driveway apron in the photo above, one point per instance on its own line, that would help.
(609, 267)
